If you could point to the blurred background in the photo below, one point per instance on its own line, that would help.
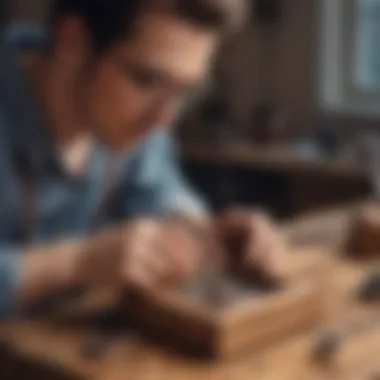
(289, 118)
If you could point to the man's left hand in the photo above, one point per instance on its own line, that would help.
(259, 241)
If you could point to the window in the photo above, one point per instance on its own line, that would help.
(350, 75)
(367, 49)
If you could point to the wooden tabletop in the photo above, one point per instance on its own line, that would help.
(131, 357)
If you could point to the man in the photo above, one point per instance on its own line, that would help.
(92, 195)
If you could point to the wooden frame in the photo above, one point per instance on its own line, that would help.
(223, 332)
(364, 235)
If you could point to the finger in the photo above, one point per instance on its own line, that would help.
(258, 242)
(182, 251)
(178, 268)
(160, 253)
(144, 236)
(151, 258)
(275, 263)
(155, 262)
(147, 231)
(148, 271)
(188, 260)
(262, 247)
(270, 260)
(138, 279)
(243, 218)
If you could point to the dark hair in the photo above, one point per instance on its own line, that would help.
(111, 20)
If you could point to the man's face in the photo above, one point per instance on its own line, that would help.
(138, 84)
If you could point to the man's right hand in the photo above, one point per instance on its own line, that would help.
(144, 254)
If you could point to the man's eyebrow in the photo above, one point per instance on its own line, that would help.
(154, 72)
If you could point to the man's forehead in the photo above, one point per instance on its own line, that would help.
(170, 44)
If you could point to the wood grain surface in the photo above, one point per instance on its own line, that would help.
(39, 349)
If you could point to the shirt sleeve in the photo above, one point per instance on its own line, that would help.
(9, 264)
(24, 35)
(157, 185)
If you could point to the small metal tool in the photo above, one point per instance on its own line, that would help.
(369, 291)
(212, 278)
(331, 341)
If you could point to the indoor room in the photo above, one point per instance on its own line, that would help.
(189, 189)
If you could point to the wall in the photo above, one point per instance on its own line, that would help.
(292, 80)
(295, 75)
(297, 70)
(29, 9)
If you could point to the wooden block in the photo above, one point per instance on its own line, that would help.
(364, 237)
(249, 317)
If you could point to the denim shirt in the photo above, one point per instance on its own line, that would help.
(149, 180)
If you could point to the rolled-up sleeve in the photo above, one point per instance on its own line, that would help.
(9, 264)
(157, 185)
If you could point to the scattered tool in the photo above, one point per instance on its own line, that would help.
(370, 289)
(330, 342)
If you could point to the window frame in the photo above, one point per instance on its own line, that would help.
(338, 93)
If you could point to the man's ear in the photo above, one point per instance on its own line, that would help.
(72, 42)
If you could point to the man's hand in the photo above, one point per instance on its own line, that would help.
(255, 241)
(145, 255)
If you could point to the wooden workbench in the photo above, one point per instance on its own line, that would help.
(303, 181)
(35, 349)
(276, 157)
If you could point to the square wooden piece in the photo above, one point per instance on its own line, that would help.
(251, 317)
(364, 235)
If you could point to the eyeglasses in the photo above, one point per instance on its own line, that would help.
(154, 84)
